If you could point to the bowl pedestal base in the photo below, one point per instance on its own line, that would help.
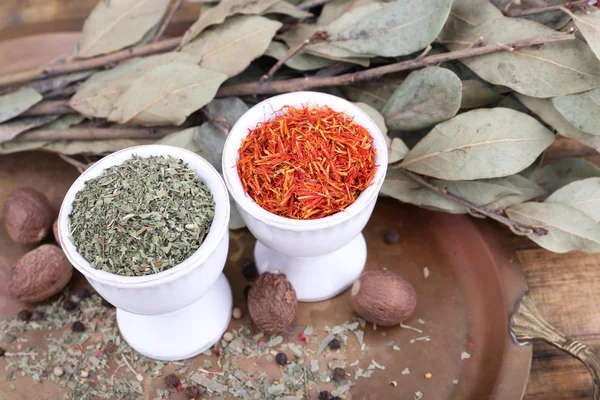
(316, 278)
(183, 333)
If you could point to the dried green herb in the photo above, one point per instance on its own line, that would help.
(141, 217)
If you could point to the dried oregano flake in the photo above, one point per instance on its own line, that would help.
(141, 217)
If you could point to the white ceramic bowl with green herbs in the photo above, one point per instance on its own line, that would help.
(321, 257)
(182, 311)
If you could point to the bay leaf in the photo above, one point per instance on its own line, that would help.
(477, 94)
(300, 32)
(71, 147)
(12, 129)
(334, 9)
(564, 171)
(527, 190)
(230, 47)
(588, 22)
(224, 9)
(66, 121)
(426, 97)
(555, 69)
(582, 110)
(60, 81)
(583, 195)
(97, 96)
(225, 111)
(167, 94)
(390, 29)
(375, 93)
(482, 143)
(300, 61)
(396, 147)
(553, 19)
(16, 103)
(568, 228)
(114, 25)
(285, 8)
(464, 18)
(544, 109)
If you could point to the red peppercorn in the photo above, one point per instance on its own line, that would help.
(97, 352)
(179, 387)
(217, 352)
(302, 337)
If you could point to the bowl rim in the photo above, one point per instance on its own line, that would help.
(240, 131)
(218, 229)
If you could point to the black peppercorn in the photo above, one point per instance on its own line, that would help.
(106, 304)
(171, 380)
(69, 305)
(2, 351)
(38, 315)
(249, 269)
(83, 294)
(191, 392)
(281, 358)
(336, 398)
(324, 395)
(77, 327)
(246, 291)
(334, 344)
(339, 374)
(24, 315)
(111, 347)
(391, 237)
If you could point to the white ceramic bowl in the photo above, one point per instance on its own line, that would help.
(191, 301)
(321, 257)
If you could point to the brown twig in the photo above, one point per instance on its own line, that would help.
(311, 3)
(174, 7)
(290, 85)
(540, 10)
(62, 92)
(89, 63)
(318, 36)
(517, 227)
(95, 134)
(79, 166)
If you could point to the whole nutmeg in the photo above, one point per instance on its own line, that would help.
(28, 216)
(272, 302)
(55, 231)
(383, 298)
(39, 274)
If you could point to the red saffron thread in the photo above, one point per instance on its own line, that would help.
(306, 163)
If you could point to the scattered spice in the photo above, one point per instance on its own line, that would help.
(228, 336)
(38, 316)
(58, 371)
(111, 347)
(171, 380)
(77, 327)
(428, 375)
(324, 395)
(464, 355)
(191, 392)
(236, 313)
(2, 351)
(83, 294)
(339, 374)
(249, 269)
(69, 305)
(391, 237)
(418, 395)
(405, 371)
(394, 383)
(426, 272)
(281, 358)
(334, 344)
(302, 337)
(179, 387)
(306, 163)
(24, 315)
(455, 381)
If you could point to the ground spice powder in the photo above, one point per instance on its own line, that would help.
(307, 163)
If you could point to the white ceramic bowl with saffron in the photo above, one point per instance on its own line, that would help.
(177, 313)
(321, 257)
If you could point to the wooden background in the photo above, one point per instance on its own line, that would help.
(564, 286)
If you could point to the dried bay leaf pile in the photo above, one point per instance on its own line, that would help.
(470, 94)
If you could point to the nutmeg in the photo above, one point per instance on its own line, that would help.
(39, 274)
(28, 216)
(55, 231)
(272, 302)
(383, 298)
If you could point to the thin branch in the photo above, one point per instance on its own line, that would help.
(517, 227)
(89, 63)
(95, 134)
(290, 85)
(540, 10)
(175, 6)
(318, 36)
(79, 166)
(311, 3)
(62, 92)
